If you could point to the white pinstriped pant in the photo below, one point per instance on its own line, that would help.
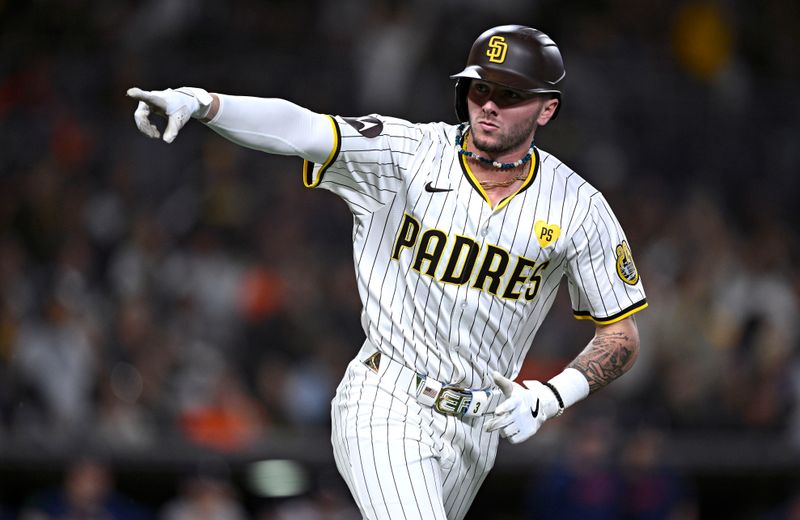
(402, 460)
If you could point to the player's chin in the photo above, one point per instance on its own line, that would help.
(489, 144)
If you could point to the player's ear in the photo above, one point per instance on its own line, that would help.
(547, 111)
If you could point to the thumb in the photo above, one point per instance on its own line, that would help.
(506, 385)
(175, 123)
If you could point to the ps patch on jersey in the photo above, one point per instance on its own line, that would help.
(626, 269)
(546, 233)
(367, 126)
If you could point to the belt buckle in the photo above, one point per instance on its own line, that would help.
(453, 400)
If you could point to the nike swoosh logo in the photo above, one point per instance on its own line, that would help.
(535, 412)
(430, 188)
(366, 125)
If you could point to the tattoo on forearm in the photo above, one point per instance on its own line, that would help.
(606, 358)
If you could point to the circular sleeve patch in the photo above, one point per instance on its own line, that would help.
(626, 269)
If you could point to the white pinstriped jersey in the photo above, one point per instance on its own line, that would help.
(451, 286)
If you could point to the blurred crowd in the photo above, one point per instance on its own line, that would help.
(197, 292)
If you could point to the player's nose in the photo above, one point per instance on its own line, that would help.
(490, 105)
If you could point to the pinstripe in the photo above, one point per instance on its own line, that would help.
(340, 449)
(424, 306)
(574, 211)
(503, 354)
(384, 279)
(438, 369)
(429, 486)
(389, 452)
(478, 475)
(367, 173)
(359, 478)
(398, 285)
(451, 477)
(408, 470)
(468, 473)
(371, 424)
(590, 258)
(382, 235)
(411, 294)
(369, 483)
(578, 280)
(418, 320)
(549, 298)
(376, 150)
(360, 260)
(603, 252)
(618, 228)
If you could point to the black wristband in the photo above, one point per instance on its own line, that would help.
(558, 397)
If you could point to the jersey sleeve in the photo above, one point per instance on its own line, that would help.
(369, 163)
(604, 284)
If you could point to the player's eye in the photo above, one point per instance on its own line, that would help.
(480, 88)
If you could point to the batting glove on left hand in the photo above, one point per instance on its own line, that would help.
(524, 410)
(178, 106)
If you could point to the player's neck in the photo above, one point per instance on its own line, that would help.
(498, 179)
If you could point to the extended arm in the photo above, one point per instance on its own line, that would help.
(267, 124)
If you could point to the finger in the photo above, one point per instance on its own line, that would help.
(517, 438)
(151, 98)
(498, 423)
(174, 124)
(523, 435)
(142, 118)
(506, 385)
(510, 432)
(135, 93)
(506, 407)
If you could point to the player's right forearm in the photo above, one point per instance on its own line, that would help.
(272, 125)
(611, 353)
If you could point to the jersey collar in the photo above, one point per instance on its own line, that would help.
(476, 185)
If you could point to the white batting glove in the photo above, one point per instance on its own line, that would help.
(524, 410)
(177, 105)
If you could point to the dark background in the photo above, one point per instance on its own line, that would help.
(180, 311)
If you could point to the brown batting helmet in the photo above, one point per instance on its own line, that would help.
(514, 56)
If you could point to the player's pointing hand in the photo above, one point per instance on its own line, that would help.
(524, 410)
(177, 105)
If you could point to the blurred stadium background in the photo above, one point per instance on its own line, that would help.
(174, 318)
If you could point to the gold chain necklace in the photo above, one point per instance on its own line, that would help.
(488, 185)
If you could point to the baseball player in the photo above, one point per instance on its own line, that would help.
(461, 236)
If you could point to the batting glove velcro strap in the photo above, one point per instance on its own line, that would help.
(178, 106)
(524, 410)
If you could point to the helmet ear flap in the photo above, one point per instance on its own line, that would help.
(462, 88)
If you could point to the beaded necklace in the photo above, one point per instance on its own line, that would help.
(460, 135)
